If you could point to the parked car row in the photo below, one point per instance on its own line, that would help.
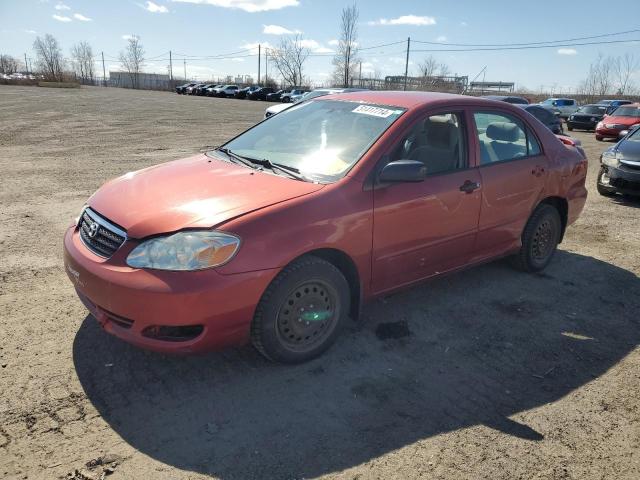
(254, 92)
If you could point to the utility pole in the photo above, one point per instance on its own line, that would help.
(360, 75)
(259, 56)
(26, 65)
(406, 65)
(104, 71)
(170, 67)
(185, 69)
(266, 65)
(347, 64)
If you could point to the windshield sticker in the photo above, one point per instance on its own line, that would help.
(373, 111)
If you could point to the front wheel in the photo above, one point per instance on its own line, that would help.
(540, 239)
(302, 311)
(570, 128)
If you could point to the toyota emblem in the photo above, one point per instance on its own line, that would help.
(93, 229)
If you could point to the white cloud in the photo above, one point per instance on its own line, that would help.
(237, 59)
(334, 42)
(81, 17)
(464, 24)
(62, 6)
(322, 50)
(61, 18)
(567, 51)
(310, 44)
(278, 30)
(404, 20)
(441, 39)
(250, 6)
(129, 37)
(253, 47)
(155, 8)
(32, 32)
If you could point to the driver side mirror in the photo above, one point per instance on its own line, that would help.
(403, 171)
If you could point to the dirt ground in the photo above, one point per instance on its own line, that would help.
(487, 374)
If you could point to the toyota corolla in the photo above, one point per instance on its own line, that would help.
(279, 236)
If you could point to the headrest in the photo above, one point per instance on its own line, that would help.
(503, 132)
(441, 133)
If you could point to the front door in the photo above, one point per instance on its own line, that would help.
(421, 229)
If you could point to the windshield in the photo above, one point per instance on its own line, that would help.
(316, 93)
(549, 101)
(593, 109)
(320, 139)
(635, 135)
(626, 112)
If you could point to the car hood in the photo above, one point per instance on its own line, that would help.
(628, 150)
(621, 120)
(196, 192)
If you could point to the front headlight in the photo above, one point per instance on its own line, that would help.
(599, 125)
(188, 250)
(609, 158)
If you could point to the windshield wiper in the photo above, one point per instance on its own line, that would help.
(234, 156)
(264, 162)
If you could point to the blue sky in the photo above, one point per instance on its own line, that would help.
(213, 27)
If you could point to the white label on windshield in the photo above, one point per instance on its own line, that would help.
(373, 111)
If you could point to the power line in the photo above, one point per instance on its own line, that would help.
(527, 43)
(530, 47)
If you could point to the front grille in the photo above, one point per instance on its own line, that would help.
(99, 235)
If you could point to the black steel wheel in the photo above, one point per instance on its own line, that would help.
(540, 239)
(301, 312)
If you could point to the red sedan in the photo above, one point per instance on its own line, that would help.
(280, 235)
(617, 124)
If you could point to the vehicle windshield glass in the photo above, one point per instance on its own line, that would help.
(322, 139)
(549, 101)
(314, 94)
(593, 109)
(635, 135)
(626, 112)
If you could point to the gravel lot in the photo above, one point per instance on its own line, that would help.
(489, 373)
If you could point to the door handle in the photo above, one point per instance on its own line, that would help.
(468, 186)
(537, 171)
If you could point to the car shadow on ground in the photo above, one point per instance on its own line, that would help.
(472, 348)
(627, 200)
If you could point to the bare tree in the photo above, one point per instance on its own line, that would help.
(289, 60)
(345, 60)
(444, 70)
(623, 69)
(49, 60)
(82, 55)
(132, 59)
(8, 64)
(428, 66)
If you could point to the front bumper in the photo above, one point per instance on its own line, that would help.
(623, 179)
(582, 124)
(126, 301)
(608, 132)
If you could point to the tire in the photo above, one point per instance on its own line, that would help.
(289, 326)
(540, 239)
(598, 138)
(570, 128)
(603, 189)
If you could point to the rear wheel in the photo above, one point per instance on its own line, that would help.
(540, 239)
(301, 313)
(602, 184)
(598, 138)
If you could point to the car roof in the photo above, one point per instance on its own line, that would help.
(410, 100)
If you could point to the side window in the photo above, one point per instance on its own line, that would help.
(438, 141)
(502, 137)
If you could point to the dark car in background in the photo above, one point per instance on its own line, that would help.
(260, 94)
(182, 89)
(202, 89)
(551, 121)
(620, 166)
(586, 117)
(619, 122)
(276, 96)
(613, 104)
(508, 98)
(244, 92)
(192, 89)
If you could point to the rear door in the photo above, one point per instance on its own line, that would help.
(513, 171)
(421, 229)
